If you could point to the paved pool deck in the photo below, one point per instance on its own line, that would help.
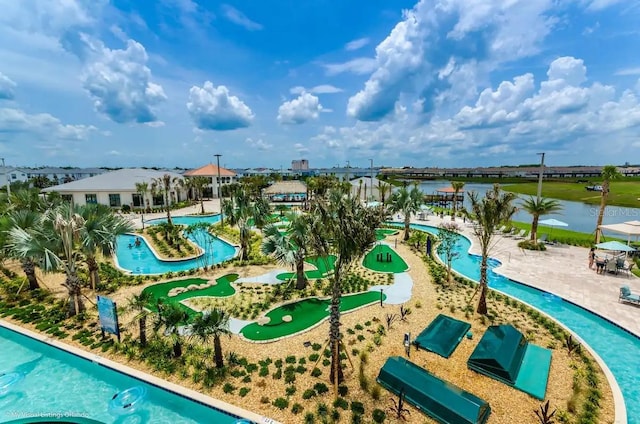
(561, 270)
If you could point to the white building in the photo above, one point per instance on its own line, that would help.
(219, 177)
(300, 165)
(12, 175)
(118, 188)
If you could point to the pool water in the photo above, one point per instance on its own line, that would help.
(619, 349)
(58, 383)
(141, 260)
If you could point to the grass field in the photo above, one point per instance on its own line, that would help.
(622, 193)
(397, 264)
(321, 270)
(563, 236)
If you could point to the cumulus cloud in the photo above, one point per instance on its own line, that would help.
(213, 108)
(259, 144)
(358, 66)
(356, 44)
(301, 148)
(41, 125)
(51, 17)
(299, 110)
(119, 83)
(7, 87)
(318, 89)
(239, 18)
(432, 49)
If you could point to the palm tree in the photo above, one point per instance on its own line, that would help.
(164, 184)
(139, 303)
(29, 222)
(537, 208)
(199, 184)
(289, 247)
(212, 324)
(457, 186)
(99, 234)
(489, 212)
(408, 202)
(241, 207)
(609, 172)
(171, 317)
(341, 226)
(143, 190)
(383, 190)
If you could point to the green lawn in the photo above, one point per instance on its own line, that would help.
(321, 270)
(223, 288)
(304, 314)
(382, 233)
(564, 236)
(396, 265)
(622, 193)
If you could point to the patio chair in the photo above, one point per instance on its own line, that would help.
(501, 230)
(626, 268)
(511, 232)
(521, 235)
(611, 265)
(626, 296)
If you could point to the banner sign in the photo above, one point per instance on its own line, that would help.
(108, 316)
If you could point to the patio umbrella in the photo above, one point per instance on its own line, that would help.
(551, 222)
(615, 245)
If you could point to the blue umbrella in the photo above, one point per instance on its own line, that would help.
(615, 245)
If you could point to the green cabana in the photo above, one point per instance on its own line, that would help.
(505, 355)
(442, 336)
(443, 401)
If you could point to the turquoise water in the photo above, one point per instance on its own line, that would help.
(618, 349)
(58, 383)
(140, 260)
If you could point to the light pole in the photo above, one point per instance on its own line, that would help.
(6, 179)
(348, 166)
(371, 172)
(218, 188)
(540, 175)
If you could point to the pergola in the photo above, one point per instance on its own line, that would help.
(629, 228)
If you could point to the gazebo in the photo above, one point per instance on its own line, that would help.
(286, 191)
(448, 195)
(629, 228)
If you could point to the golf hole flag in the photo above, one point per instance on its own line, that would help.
(108, 316)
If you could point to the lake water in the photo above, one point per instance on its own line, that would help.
(580, 216)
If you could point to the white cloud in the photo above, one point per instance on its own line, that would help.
(7, 87)
(239, 18)
(212, 108)
(299, 110)
(358, 66)
(301, 148)
(356, 44)
(41, 125)
(259, 144)
(318, 89)
(597, 5)
(119, 83)
(628, 71)
(51, 17)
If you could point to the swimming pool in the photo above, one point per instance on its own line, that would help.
(619, 349)
(61, 384)
(141, 260)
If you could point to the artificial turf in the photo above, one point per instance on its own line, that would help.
(382, 233)
(396, 265)
(323, 268)
(305, 314)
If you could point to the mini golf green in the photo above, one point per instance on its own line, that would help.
(222, 288)
(382, 258)
(303, 314)
(321, 270)
(382, 233)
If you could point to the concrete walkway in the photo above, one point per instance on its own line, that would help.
(563, 271)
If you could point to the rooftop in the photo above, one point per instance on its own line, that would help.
(286, 187)
(209, 170)
(120, 180)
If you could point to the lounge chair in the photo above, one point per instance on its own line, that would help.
(611, 265)
(544, 239)
(521, 235)
(501, 230)
(626, 296)
(626, 268)
(511, 232)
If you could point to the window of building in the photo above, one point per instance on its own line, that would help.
(114, 200)
(67, 198)
(137, 200)
(158, 200)
(91, 199)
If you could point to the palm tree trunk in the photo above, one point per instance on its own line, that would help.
(29, 269)
(244, 244)
(301, 281)
(76, 305)
(201, 204)
(94, 278)
(142, 324)
(217, 352)
(603, 206)
(454, 206)
(407, 221)
(336, 375)
(534, 227)
(166, 202)
(482, 303)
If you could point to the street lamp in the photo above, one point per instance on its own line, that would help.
(6, 178)
(218, 187)
(371, 172)
(540, 175)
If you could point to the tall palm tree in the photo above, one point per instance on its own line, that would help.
(537, 208)
(609, 172)
(383, 190)
(199, 184)
(29, 222)
(210, 325)
(239, 209)
(490, 211)
(164, 185)
(289, 247)
(99, 234)
(340, 226)
(457, 186)
(171, 317)
(143, 190)
(139, 303)
(408, 202)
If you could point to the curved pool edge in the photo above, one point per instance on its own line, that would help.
(152, 380)
(618, 399)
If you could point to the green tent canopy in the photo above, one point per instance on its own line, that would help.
(442, 336)
(443, 401)
(504, 354)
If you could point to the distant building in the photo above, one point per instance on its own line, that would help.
(211, 171)
(117, 188)
(300, 165)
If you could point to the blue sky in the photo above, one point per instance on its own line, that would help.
(430, 83)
